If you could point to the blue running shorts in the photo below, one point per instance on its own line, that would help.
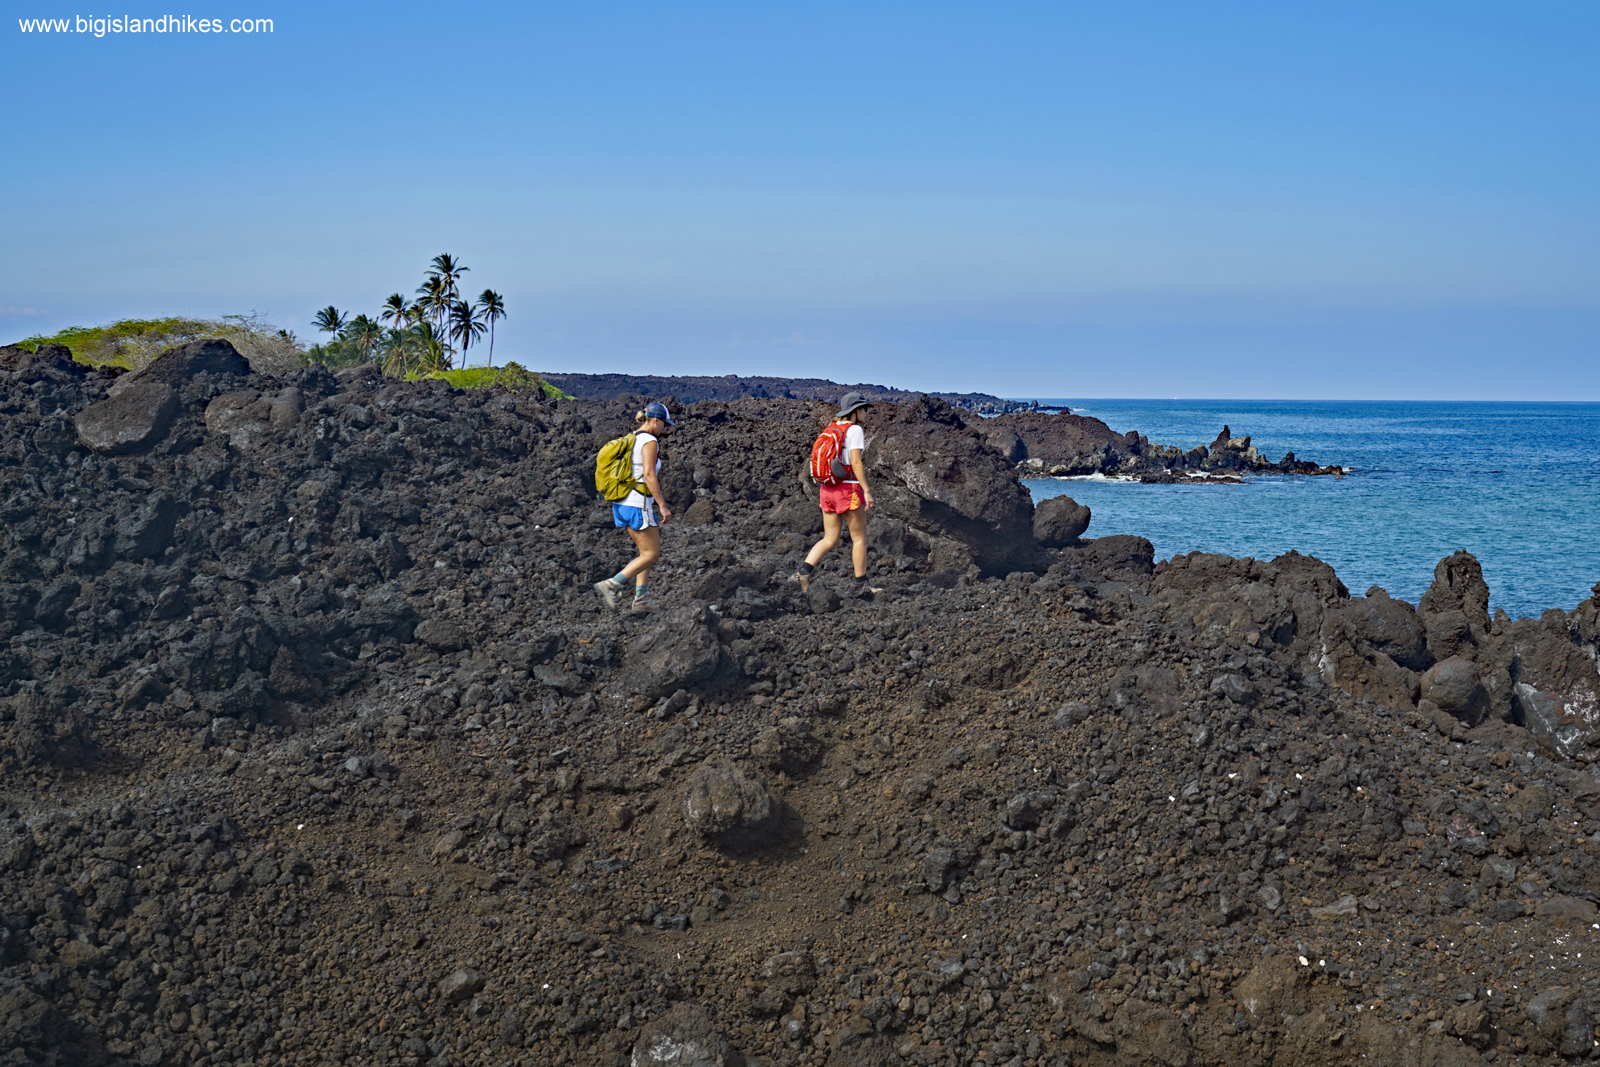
(633, 518)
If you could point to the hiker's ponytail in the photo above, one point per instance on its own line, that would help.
(639, 418)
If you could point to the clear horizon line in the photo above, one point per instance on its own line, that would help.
(1287, 400)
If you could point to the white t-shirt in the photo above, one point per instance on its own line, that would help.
(636, 499)
(854, 437)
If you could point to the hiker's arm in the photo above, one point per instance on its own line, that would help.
(860, 469)
(652, 482)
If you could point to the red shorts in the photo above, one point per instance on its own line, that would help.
(838, 499)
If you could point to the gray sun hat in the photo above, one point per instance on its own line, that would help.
(850, 403)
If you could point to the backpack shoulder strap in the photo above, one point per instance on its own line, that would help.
(638, 484)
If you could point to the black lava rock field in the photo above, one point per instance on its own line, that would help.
(317, 747)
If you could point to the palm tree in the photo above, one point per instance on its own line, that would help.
(365, 334)
(330, 319)
(465, 326)
(431, 355)
(393, 353)
(435, 301)
(443, 273)
(491, 306)
(413, 350)
(447, 269)
(395, 311)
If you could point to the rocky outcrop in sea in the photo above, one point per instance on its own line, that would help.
(1066, 445)
(315, 746)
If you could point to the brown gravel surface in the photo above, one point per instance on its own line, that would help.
(318, 748)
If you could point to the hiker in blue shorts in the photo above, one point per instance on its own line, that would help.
(637, 513)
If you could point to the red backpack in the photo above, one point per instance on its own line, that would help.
(829, 464)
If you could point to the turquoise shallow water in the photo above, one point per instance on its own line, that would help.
(1515, 484)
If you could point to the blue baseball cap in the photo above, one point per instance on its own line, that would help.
(657, 410)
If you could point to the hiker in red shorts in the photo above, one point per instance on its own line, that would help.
(849, 499)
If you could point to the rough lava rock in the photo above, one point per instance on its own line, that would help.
(1374, 646)
(1073, 805)
(677, 649)
(1388, 626)
(730, 803)
(1064, 444)
(683, 1037)
(1059, 521)
(247, 418)
(1455, 687)
(928, 470)
(442, 635)
(1283, 602)
(48, 362)
(1455, 609)
(131, 421)
(182, 363)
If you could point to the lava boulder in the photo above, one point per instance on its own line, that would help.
(180, 364)
(1456, 687)
(729, 802)
(130, 421)
(683, 1037)
(678, 649)
(1059, 521)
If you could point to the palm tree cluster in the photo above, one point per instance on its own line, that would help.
(421, 336)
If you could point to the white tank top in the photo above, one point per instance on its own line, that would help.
(636, 499)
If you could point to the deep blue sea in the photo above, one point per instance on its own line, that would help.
(1515, 484)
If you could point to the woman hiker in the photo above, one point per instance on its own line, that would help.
(848, 500)
(636, 513)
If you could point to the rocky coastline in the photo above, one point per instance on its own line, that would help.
(1065, 445)
(692, 389)
(1041, 443)
(315, 747)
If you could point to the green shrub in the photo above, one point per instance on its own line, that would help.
(514, 377)
(133, 343)
(471, 377)
(511, 376)
(335, 355)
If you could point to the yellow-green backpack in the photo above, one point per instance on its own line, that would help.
(613, 469)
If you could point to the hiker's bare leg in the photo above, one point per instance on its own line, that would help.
(858, 540)
(648, 541)
(830, 537)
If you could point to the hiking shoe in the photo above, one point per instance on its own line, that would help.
(803, 579)
(608, 591)
(644, 607)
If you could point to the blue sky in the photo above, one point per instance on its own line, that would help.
(1244, 200)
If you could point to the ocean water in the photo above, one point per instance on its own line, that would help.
(1515, 484)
